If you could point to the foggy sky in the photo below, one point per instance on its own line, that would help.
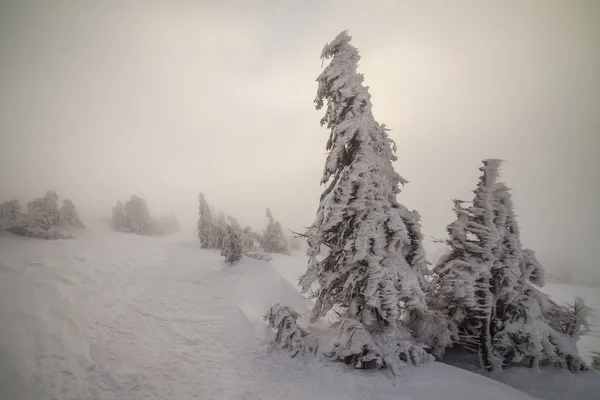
(100, 101)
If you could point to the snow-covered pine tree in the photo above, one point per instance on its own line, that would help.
(69, 217)
(484, 286)
(463, 275)
(273, 240)
(232, 246)
(206, 225)
(375, 270)
(219, 231)
(138, 217)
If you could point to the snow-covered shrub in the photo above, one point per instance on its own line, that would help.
(289, 336)
(69, 217)
(42, 219)
(133, 217)
(273, 240)
(259, 256)
(232, 248)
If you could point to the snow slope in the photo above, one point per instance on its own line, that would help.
(119, 316)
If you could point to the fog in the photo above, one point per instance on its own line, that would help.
(101, 101)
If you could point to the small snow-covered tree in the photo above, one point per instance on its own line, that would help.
(42, 219)
(232, 246)
(69, 217)
(45, 210)
(206, 225)
(133, 217)
(138, 216)
(251, 240)
(10, 214)
(375, 270)
(273, 240)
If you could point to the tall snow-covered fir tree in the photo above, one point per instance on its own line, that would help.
(375, 271)
(273, 240)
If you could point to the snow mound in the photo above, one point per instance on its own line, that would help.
(113, 316)
(258, 285)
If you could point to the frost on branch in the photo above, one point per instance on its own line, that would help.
(289, 336)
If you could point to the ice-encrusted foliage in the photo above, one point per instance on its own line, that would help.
(232, 247)
(69, 216)
(531, 269)
(289, 336)
(273, 240)
(484, 288)
(375, 268)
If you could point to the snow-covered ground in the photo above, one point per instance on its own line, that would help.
(120, 316)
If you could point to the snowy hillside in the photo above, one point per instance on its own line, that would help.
(119, 316)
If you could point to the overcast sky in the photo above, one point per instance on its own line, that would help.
(99, 100)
